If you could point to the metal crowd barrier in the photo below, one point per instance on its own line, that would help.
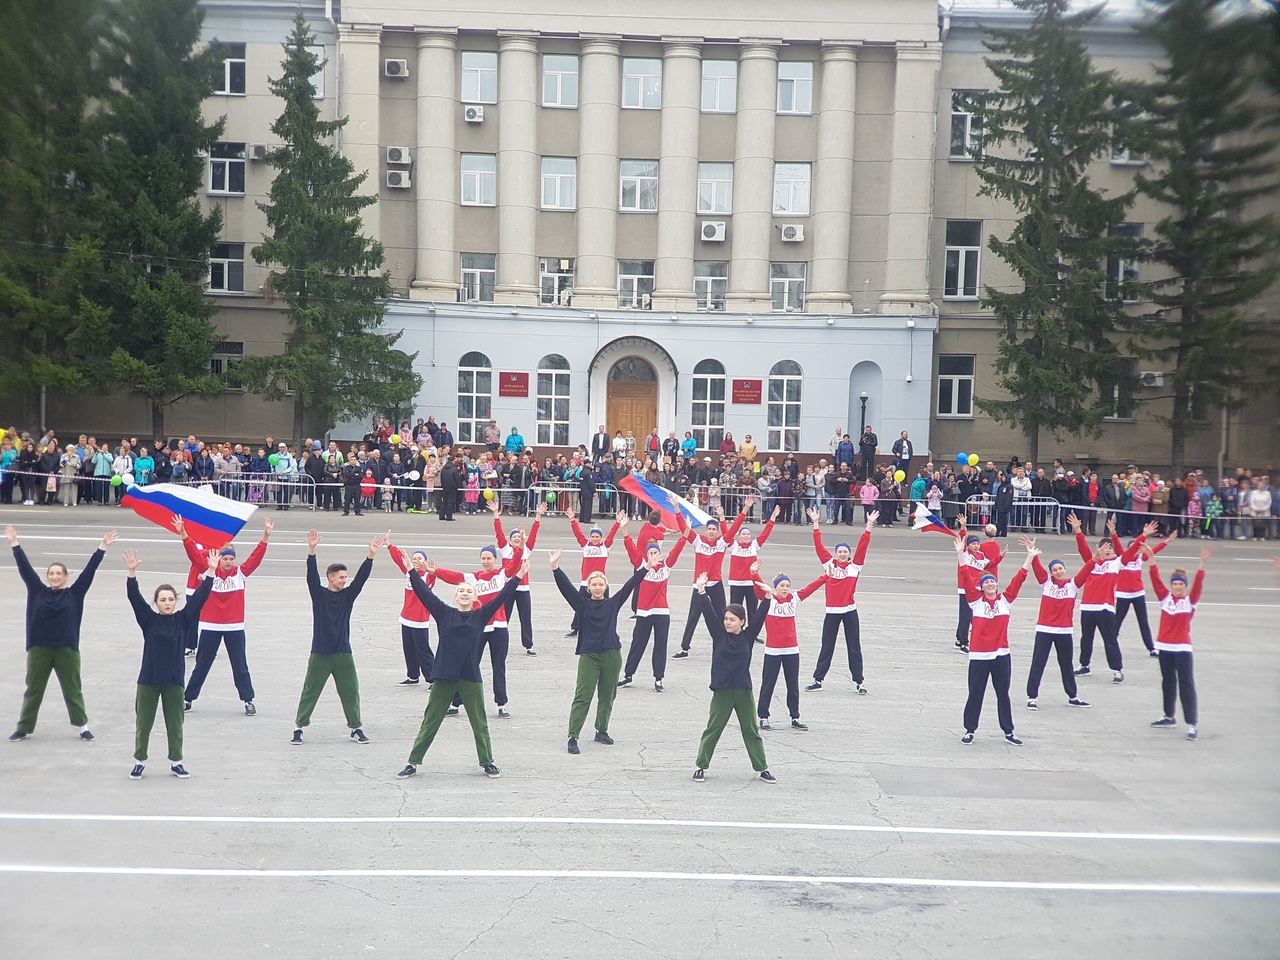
(264, 489)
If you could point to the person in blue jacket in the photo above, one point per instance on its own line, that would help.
(515, 442)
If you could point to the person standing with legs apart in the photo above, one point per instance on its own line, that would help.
(331, 605)
(781, 645)
(221, 620)
(599, 650)
(456, 672)
(989, 645)
(1054, 625)
(709, 550)
(595, 554)
(415, 619)
(653, 615)
(1098, 601)
(732, 641)
(744, 552)
(488, 581)
(983, 557)
(515, 549)
(1131, 594)
(842, 571)
(651, 531)
(54, 612)
(1177, 608)
(164, 634)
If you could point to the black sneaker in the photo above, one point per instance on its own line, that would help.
(603, 737)
(699, 775)
(297, 737)
(573, 746)
(1012, 739)
(136, 772)
(1162, 722)
(408, 771)
(491, 771)
(967, 738)
(797, 725)
(764, 724)
(768, 777)
(572, 633)
(249, 709)
(1117, 676)
(816, 685)
(179, 771)
(1154, 653)
(1077, 702)
(1082, 671)
(503, 714)
(186, 706)
(1191, 733)
(964, 648)
(16, 736)
(657, 686)
(862, 691)
(408, 682)
(530, 652)
(86, 736)
(451, 712)
(624, 682)
(1032, 705)
(680, 655)
(358, 736)
(959, 644)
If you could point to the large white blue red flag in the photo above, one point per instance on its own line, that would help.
(926, 522)
(209, 519)
(670, 505)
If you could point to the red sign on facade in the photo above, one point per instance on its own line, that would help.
(747, 391)
(513, 385)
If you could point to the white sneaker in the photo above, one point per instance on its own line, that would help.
(1032, 705)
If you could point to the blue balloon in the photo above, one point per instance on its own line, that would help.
(962, 458)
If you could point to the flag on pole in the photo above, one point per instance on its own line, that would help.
(209, 519)
(667, 503)
(926, 522)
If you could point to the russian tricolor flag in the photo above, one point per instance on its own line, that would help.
(209, 519)
(671, 506)
(926, 522)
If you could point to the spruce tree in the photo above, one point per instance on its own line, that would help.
(1052, 116)
(337, 362)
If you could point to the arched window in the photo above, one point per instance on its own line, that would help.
(633, 370)
(785, 379)
(475, 397)
(708, 404)
(553, 401)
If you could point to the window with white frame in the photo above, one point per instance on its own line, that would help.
(555, 281)
(719, 86)
(635, 283)
(795, 87)
(1122, 266)
(559, 80)
(233, 69)
(785, 385)
(966, 126)
(641, 84)
(479, 179)
(553, 401)
(715, 188)
(791, 183)
(479, 77)
(786, 286)
(226, 168)
(475, 397)
(479, 276)
(225, 354)
(1123, 156)
(317, 78)
(638, 186)
(710, 283)
(1118, 393)
(708, 404)
(955, 385)
(559, 183)
(226, 268)
(960, 273)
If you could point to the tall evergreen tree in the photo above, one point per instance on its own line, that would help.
(1052, 112)
(1202, 128)
(336, 361)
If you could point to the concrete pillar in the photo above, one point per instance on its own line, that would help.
(519, 176)
(753, 177)
(911, 180)
(361, 72)
(437, 270)
(828, 287)
(600, 90)
(678, 175)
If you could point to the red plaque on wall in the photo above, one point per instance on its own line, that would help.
(513, 385)
(747, 391)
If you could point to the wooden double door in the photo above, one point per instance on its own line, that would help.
(632, 406)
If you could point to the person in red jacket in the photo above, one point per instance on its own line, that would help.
(709, 550)
(1173, 642)
(1130, 593)
(195, 574)
(989, 644)
(781, 645)
(1058, 592)
(653, 615)
(743, 552)
(595, 555)
(652, 531)
(415, 619)
(488, 581)
(222, 617)
(514, 550)
(983, 557)
(842, 570)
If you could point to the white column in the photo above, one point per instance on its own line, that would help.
(519, 177)
(753, 177)
(595, 282)
(906, 286)
(361, 71)
(828, 287)
(435, 170)
(678, 174)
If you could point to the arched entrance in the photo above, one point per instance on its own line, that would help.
(631, 393)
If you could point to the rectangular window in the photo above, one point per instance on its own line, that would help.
(556, 281)
(786, 284)
(641, 84)
(226, 168)
(317, 78)
(785, 392)
(964, 242)
(226, 268)
(479, 179)
(233, 64)
(559, 81)
(559, 183)
(1123, 156)
(635, 283)
(795, 87)
(553, 407)
(955, 385)
(225, 354)
(715, 188)
(479, 77)
(791, 189)
(1118, 394)
(638, 189)
(710, 284)
(966, 126)
(479, 275)
(1122, 266)
(719, 86)
(707, 410)
(475, 399)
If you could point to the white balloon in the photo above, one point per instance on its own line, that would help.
(128, 479)
(414, 475)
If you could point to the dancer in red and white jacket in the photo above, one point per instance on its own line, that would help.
(515, 549)
(842, 570)
(195, 574)
(653, 614)
(651, 531)
(1131, 594)
(984, 556)
(222, 616)
(595, 556)
(709, 549)
(489, 581)
(782, 643)
(989, 644)
(415, 619)
(1054, 625)
(1173, 642)
(743, 553)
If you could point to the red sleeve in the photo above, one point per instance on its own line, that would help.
(613, 532)
(497, 532)
(733, 527)
(194, 555)
(397, 557)
(1083, 575)
(971, 590)
(674, 553)
(1197, 586)
(254, 560)
(450, 576)
(1011, 591)
(632, 550)
(530, 540)
(1128, 555)
(808, 589)
(1118, 546)
(759, 588)
(860, 551)
(1038, 569)
(823, 555)
(577, 531)
(764, 533)
(509, 567)
(1083, 546)
(1157, 584)
(1158, 547)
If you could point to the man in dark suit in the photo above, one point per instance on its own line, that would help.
(867, 444)
(600, 445)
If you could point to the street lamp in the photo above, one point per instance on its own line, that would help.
(863, 397)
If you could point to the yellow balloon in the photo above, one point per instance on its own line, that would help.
(899, 475)
(973, 459)
(395, 438)
(488, 494)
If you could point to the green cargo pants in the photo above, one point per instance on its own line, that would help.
(442, 694)
(320, 667)
(597, 673)
(149, 695)
(41, 661)
(723, 703)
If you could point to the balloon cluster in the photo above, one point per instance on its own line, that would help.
(968, 459)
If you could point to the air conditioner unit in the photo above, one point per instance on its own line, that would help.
(256, 151)
(395, 68)
(399, 155)
(1151, 378)
(398, 179)
(713, 231)
(792, 232)
(473, 114)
